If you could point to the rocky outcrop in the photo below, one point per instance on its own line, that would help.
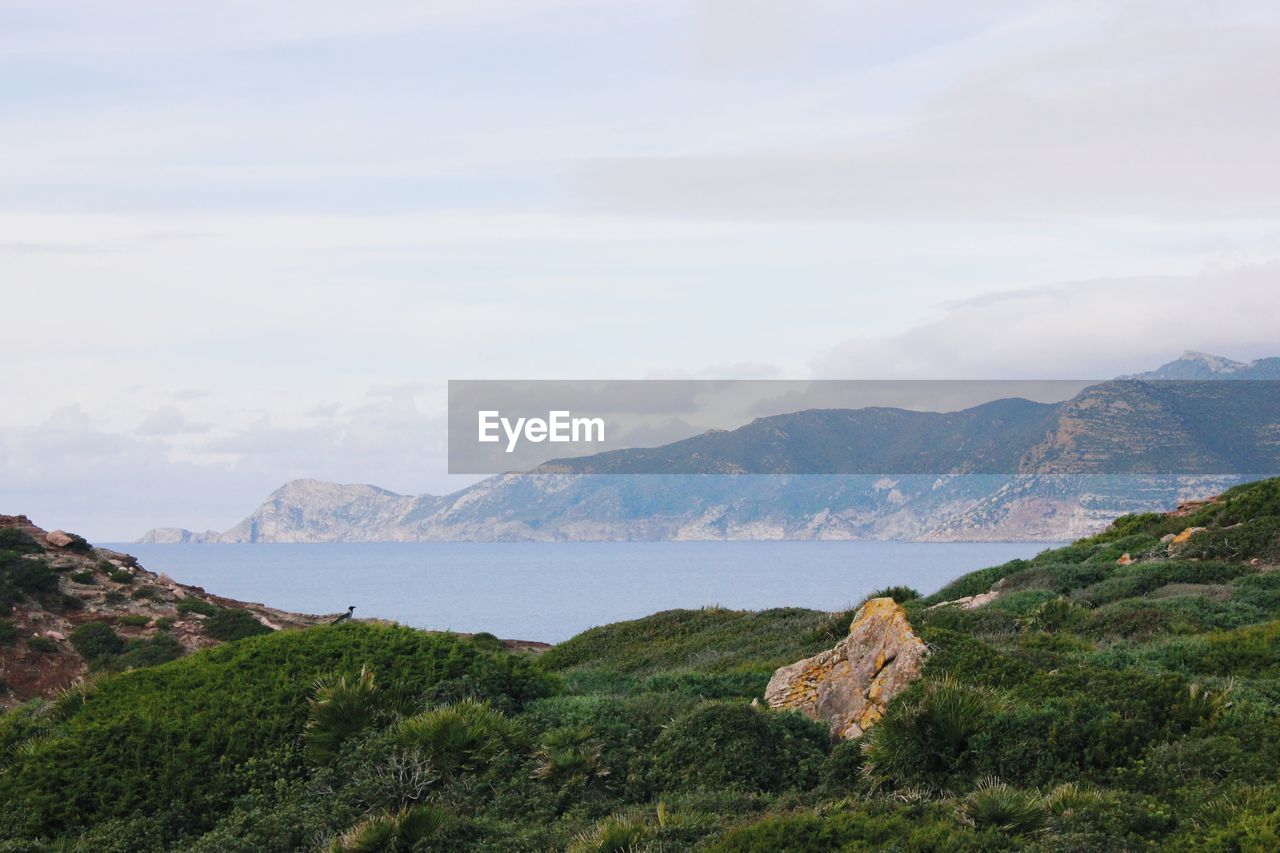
(178, 536)
(58, 538)
(849, 686)
(96, 585)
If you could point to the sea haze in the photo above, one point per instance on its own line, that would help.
(551, 591)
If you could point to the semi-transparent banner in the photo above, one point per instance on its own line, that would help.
(891, 427)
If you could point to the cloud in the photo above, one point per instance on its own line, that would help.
(1149, 116)
(1085, 330)
(168, 420)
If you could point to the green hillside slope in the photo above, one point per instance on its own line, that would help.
(1119, 693)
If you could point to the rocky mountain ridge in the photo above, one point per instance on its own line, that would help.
(1006, 470)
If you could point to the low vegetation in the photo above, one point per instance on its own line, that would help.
(1122, 693)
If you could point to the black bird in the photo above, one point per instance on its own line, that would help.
(345, 616)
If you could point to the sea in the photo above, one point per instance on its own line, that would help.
(551, 591)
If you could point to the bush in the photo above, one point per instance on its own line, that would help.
(43, 645)
(843, 768)
(925, 738)
(13, 539)
(866, 826)
(338, 710)
(613, 834)
(407, 830)
(897, 593)
(196, 605)
(77, 545)
(150, 651)
(1009, 811)
(134, 620)
(171, 739)
(233, 624)
(88, 577)
(95, 640)
(34, 577)
(8, 633)
(460, 738)
(149, 593)
(735, 745)
(123, 576)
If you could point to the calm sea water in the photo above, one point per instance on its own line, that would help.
(551, 591)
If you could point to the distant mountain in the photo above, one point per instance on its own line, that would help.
(1010, 469)
(1199, 365)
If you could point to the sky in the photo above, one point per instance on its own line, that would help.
(244, 242)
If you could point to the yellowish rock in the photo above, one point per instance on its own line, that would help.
(849, 686)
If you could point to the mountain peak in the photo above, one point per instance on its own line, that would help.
(1193, 364)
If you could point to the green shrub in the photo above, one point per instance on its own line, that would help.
(1256, 538)
(233, 624)
(95, 640)
(613, 834)
(1056, 614)
(626, 725)
(569, 757)
(87, 577)
(408, 830)
(710, 640)
(42, 644)
(33, 577)
(338, 710)
(925, 738)
(169, 739)
(460, 738)
(164, 623)
(145, 592)
(149, 651)
(196, 605)
(488, 642)
(122, 576)
(13, 539)
(866, 826)
(899, 594)
(8, 633)
(77, 545)
(735, 745)
(134, 620)
(1007, 810)
(843, 768)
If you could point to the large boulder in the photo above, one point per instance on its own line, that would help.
(849, 687)
(58, 538)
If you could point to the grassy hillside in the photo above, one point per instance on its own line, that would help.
(1120, 693)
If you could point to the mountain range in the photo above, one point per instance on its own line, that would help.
(1010, 469)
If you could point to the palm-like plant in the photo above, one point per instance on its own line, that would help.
(338, 709)
(401, 832)
(614, 834)
(925, 740)
(459, 738)
(570, 757)
(995, 805)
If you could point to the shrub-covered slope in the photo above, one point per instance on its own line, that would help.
(68, 609)
(1120, 693)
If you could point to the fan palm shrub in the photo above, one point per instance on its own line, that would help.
(338, 709)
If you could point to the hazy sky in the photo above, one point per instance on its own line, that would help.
(242, 242)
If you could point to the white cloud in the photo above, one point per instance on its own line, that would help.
(1158, 116)
(1085, 330)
